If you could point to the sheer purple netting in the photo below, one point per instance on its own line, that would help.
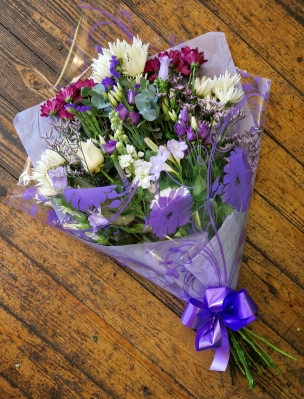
(211, 253)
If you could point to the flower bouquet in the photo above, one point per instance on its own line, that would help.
(152, 162)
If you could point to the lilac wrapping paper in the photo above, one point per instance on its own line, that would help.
(185, 267)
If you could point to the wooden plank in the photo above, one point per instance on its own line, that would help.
(68, 325)
(284, 100)
(10, 391)
(255, 21)
(38, 369)
(106, 290)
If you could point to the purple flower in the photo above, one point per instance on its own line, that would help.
(171, 210)
(177, 148)
(131, 96)
(180, 129)
(164, 67)
(97, 220)
(122, 111)
(107, 82)
(237, 181)
(58, 178)
(191, 135)
(159, 161)
(185, 116)
(113, 64)
(134, 117)
(202, 131)
(109, 146)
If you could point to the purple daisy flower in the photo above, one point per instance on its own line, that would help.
(237, 181)
(171, 210)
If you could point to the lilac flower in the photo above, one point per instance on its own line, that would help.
(180, 129)
(237, 181)
(107, 82)
(171, 210)
(177, 149)
(122, 111)
(109, 146)
(134, 117)
(113, 64)
(159, 161)
(58, 178)
(131, 96)
(164, 67)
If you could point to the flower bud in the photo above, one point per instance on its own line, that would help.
(165, 105)
(112, 100)
(193, 123)
(173, 115)
(91, 156)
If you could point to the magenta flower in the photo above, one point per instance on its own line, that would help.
(152, 65)
(51, 107)
(193, 56)
(84, 83)
(237, 180)
(67, 94)
(171, 210)
(65, 114)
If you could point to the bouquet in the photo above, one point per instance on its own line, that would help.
(153, 161)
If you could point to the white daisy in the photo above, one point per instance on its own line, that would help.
(203, 86)
(49, 160)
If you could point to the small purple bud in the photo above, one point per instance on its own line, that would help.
(185, 116)
(180, 129)
(202, 131)
(122, 111)
(191, 136)
(110, 146)
(58, 177)
(134, 117)
(131, 96)
(164, 67)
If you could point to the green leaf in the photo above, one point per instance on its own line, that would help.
(85, 91)
(149, 114)
(99, 88)
(99, 102)
(199, 191)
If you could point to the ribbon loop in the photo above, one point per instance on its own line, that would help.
(221, 307)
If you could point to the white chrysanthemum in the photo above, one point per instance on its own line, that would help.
(203, 86)
(232, 95)
(49, 160)
(100, 67)
(117, 48)
(135, 58)
(226, 81)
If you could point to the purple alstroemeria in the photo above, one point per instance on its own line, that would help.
(171, 210)
(134, 117)
(122, 111)
(180, 129)
(191, 135)
(164, 67)
(131, 96)
(58, 178)
(110, 146)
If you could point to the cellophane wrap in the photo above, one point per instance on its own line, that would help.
(184, 266)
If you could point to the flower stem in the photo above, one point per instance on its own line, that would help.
(106, 175)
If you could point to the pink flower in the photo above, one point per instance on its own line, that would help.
(152, 65)
(193, 56)
(51, 107)
(67, 94)
(84, 83)
(65, 114)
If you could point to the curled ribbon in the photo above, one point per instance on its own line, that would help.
(221, 307)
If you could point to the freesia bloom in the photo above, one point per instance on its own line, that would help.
(171, 209)
(142, 170)
(177, 149)
(91, 156)
(159, 161)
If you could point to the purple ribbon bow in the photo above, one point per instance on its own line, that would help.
(222, 307)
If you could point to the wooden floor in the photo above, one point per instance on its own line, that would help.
(73, 324)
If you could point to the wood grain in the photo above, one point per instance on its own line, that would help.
(56, 294)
